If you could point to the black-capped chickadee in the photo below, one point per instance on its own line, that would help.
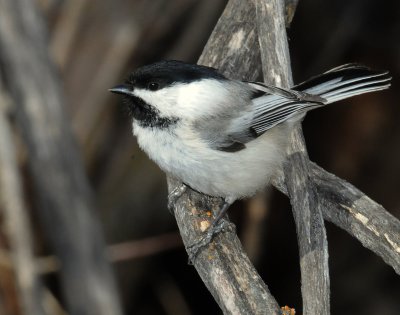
(225, 137)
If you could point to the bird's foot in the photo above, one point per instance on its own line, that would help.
(215, 228)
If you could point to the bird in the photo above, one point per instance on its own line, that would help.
(223, 137)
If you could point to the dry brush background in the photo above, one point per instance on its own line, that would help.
(95, 44)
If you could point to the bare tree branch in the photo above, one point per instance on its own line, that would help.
(223, 266)
(233, 48)
(349, 208)
(311, 235)
(353, 211)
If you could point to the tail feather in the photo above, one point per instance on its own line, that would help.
(345, 81)
(276, 106)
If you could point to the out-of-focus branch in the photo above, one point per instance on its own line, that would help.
(145, 247)
(64, 198)
(65, 30)
(16, 219)
(129, 250)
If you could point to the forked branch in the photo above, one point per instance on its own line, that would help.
(234, 48)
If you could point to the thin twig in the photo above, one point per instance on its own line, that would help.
(129, 250)
(145, 247)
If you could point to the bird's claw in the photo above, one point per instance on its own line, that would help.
(222, 226)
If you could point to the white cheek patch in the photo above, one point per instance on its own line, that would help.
(163, 100)
(187, 100)
(200, 98)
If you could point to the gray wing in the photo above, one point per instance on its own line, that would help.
(272, 106)
(277, 105)
(229, 135)
(268, 107)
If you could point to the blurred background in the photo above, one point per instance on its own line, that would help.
(95, 44)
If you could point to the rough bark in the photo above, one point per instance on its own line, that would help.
(223, 266)
(234, 49)
(311, 234)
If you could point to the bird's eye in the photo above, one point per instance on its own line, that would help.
(153, 86)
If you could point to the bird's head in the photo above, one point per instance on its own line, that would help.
(168, 91)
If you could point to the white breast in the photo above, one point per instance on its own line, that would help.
(224, 174)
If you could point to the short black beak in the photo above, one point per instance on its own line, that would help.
(122, 89)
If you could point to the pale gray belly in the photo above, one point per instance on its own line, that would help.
(217, 173)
